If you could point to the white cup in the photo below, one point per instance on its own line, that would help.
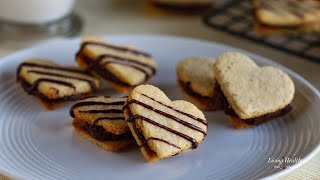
(34, 11)
(26, 21)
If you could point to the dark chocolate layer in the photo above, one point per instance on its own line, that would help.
(252, 121)
(215, 100)
(100, 134)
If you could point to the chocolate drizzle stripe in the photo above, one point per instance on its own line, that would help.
(92, 65)
(143, 141)
(186, 114)
(26, 86)
(132, 61)
(122, 118)
(136, 52)
(50, 67)
(128, 64)
(184, 136)
(38, 81)
(90, 82)
(191, 126)
(139, 134)
(162, 140)
(103, 111)
(93, 103)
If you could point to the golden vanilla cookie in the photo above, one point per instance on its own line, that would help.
(251, 94)
(163, 128)
(196, 81)
(287, 15)
(123, 66)
(101, 120)
(54, 84)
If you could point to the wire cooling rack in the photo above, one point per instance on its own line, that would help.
(235, 17)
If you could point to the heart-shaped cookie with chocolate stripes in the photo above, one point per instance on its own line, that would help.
(54, 84)
(161, 127)
(123, 66)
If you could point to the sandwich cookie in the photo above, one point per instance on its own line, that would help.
(101, 120)
(251, 94)
(196, 81)
(123, 66)
(287, 15)
(163, 128)
(54, 84)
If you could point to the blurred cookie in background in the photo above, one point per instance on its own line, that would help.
(285, 16)
(183, 5)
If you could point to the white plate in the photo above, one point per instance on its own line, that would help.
(40, 144)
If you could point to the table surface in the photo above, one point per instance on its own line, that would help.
(138, 17)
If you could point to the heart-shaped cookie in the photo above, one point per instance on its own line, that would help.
(54, 84)
(250, 90)
(123, 66)
(161, 127)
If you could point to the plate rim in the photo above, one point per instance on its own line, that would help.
(292, 73)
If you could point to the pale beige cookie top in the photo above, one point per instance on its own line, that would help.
(252, 90)
(287, 12)
(31, 71)
(120, 71)
(198, 72)
(109, 110)
(143, 94)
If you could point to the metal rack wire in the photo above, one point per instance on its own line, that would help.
(235, 17)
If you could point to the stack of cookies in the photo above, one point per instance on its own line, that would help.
(124, 67)
(162, 128)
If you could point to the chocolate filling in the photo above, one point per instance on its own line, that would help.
(252, 121)
(100, 134)
(141, 138)
(33, 91)
(215, 100)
